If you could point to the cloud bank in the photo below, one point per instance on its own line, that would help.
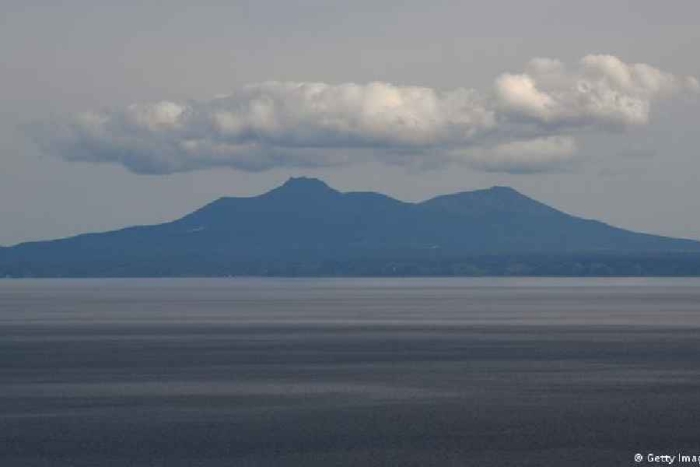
(526, 123)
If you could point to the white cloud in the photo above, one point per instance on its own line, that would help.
(519, 94)
(526, 124)
(348, 115)
(602, 91)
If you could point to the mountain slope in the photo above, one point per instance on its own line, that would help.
(511, 222)
(306, 227)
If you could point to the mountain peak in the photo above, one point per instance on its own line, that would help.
(503, 193)
(502, 189)
(303, 186)
(498, 198)
(305, 183)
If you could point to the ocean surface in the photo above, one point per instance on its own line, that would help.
(346, 372)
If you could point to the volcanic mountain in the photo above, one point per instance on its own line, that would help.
(305, 227)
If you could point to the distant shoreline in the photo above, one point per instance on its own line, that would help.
(532, 265)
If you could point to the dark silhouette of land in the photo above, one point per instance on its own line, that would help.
(306, 228)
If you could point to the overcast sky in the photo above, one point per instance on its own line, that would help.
(139, 112)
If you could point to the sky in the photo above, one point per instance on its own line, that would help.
(123, 113)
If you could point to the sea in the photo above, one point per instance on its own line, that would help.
(349, 372)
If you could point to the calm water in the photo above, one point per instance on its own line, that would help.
(371, 372)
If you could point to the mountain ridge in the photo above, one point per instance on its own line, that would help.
(304, 225)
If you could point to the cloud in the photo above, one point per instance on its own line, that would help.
(602, 91)
(526, 123)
